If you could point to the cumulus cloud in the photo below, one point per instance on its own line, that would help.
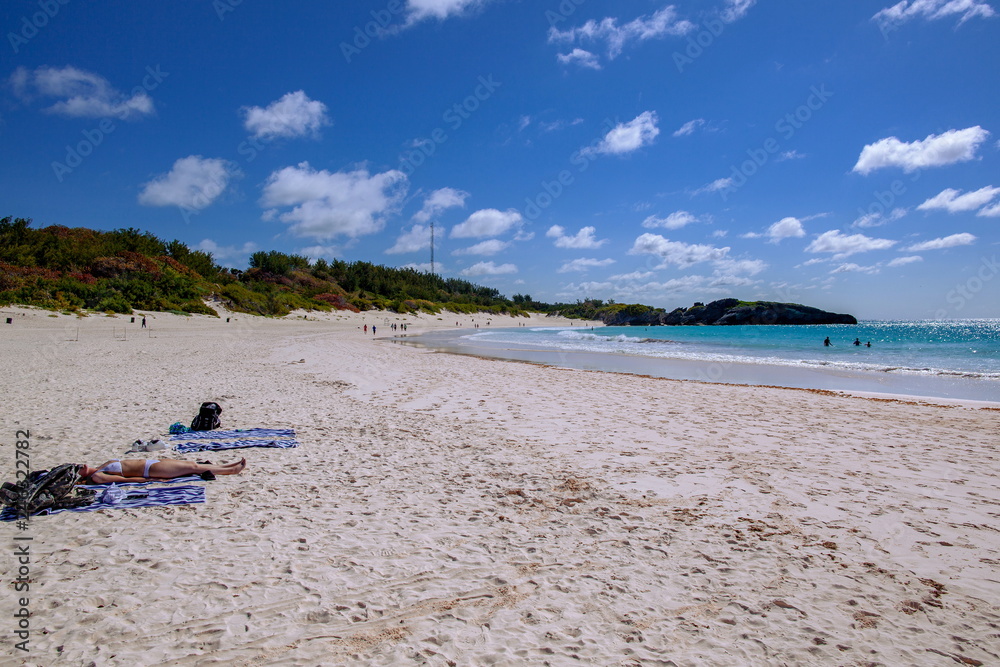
(628, 137)
(489, 269)
(990, 211)
(842, 245)
(675, 220)
(580, 57)
(417, 238)
(583, 264)
(903, 261)
(786, 228)
(193, 184)
(419, 10)
(491, 247)
(326, 205)
(933, 10)
(229, 254)
(294, 115)
(616, 37)
(582, 240)
(84, 94)
(877, 219)
(954, 202)
(689, 127)
(677, 253)
(487, 222)
(439, 201)
(749, 267)
(946, 242)
(937, 150)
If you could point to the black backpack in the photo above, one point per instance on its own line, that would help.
(208, 418)
(47, 489)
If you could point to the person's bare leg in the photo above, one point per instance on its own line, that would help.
(171, 468)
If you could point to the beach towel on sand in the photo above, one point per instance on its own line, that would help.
(188, 447)
(174, 495)
(235, 433)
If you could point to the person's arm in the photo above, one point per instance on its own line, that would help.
(106, 478)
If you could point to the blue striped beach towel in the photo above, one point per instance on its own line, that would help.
(172, 495)
(237, 433)
(188, 447)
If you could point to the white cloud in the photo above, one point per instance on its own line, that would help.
(627, 137)
(946, 242)
(584, 239)
(416, 239)
(580, 57)
(326, 205)
(487, 222)
(903, 261)
(583, 264)
(689, 127)
(786, 228)
(489, 269)
(954, 202)
(418, 10)
(789, 155)
(229, 253)
(715, 186)
(635, 275)
(877, 219)
(990, 211)
(491, 247)
(677, 253)
(85, 94)
(315, 252)
(192, 184)
(937, 150)
(933, 10)
(294, 115)
(736, 9)
(855, 268)
(439, 201)
(675, 220)
(739, 266)
(617, 37)
(844, 246)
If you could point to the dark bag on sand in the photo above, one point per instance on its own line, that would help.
(47, 490)
(208, 418)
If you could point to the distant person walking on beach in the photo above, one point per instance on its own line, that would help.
(143, 321)
(366, 328)
(826, 343)
(373, 329)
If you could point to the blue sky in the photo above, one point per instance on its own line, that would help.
(839, 154)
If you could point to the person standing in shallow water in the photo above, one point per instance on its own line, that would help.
(826, 343)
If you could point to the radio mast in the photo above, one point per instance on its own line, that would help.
(432, 247)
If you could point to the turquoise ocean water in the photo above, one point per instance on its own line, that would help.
(958, 358)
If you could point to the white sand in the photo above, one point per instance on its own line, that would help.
(448, 510)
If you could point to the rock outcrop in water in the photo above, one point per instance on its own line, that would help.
(734, 311)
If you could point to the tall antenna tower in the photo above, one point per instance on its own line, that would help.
(432, 247)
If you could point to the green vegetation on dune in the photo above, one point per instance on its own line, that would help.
(70, 269)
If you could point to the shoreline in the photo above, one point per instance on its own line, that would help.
(951, 389)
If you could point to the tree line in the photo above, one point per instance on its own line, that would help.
(119, 271)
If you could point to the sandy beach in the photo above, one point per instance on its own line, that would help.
(452, 510)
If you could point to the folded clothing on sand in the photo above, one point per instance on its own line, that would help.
(153, 497)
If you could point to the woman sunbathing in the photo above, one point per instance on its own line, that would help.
(146, 470)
